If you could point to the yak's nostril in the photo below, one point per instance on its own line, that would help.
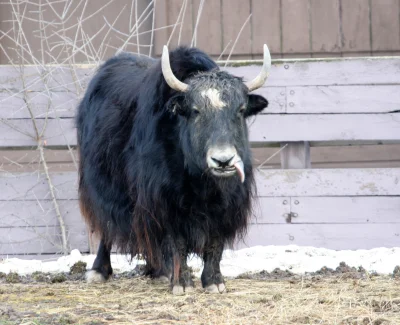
(223, 162)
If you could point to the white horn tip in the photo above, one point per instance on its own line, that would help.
(267, 56)
(165, 51)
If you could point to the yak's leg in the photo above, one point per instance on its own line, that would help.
(181, 275)
(101, 269)
(211, 278)
(164, 273)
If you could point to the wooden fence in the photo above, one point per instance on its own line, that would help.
(336, 102)
(291, 28)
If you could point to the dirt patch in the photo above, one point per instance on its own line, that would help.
(279, 297)
(78, 268)
(343, 271)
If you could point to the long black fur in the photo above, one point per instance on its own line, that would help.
(140, 186)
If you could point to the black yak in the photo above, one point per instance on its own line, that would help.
(165, 162)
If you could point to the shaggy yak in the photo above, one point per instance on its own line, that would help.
(165, 162)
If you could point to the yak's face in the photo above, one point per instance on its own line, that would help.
(213, 130)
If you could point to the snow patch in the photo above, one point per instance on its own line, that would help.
(297, 259)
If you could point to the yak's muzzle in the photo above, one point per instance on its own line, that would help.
(225, 162)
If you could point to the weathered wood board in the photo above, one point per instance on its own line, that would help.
(44, 240)
(21, 132)
(265, 129)
(343, 99)
(339, 236)
(329, 182)
(370, 156)
(352, 210)
(34, 186)
(270, 183)
(290, 100)
(284, 73)
(42, 104)
(39, 213)
(327, 72)
(325, 128)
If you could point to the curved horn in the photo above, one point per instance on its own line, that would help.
(258, 81)
(169, 76)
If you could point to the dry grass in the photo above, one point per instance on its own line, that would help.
(331, 300)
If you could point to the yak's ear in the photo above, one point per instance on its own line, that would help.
(175, 105)
(255, 105)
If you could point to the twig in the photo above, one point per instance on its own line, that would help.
(60, 219)
(194, 38)
(182, 21)
(237, 38)
(152, 27)
(223, 51)
(136, 21)
(176, 24)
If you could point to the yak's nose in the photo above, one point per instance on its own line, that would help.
(221, 157)
(223, 161)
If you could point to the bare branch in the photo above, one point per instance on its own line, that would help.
(237, 38)
(194, 39)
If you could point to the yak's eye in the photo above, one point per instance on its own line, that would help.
(242, 109)
(196, 111)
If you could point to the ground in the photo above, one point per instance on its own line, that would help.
(342, 296)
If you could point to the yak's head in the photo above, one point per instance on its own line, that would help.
(213, 107)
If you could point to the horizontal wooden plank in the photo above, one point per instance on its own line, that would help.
(326, 72)
(352, 210)
(343, 99)
(327, 210)
(328, 182)
(339, 236)
(354, 156)
(21, 132)
(343, 164)
(264, 129)
(42, 104)
(322, 157)
(40, 240)
(33, 156)
(270, 209)
(325, 128)
(270, 183)
(39, 213)
(55, 78)
(335, 156)
(276, 97)
(34, 186)
(315, 72)
(312, 99)
(63, 104)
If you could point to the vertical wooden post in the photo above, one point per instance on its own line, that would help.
(296, 155)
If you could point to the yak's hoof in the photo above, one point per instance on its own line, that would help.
(216, 288)
(178, 290)
(92, 276)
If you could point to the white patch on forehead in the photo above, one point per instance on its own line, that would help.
(214, 96)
